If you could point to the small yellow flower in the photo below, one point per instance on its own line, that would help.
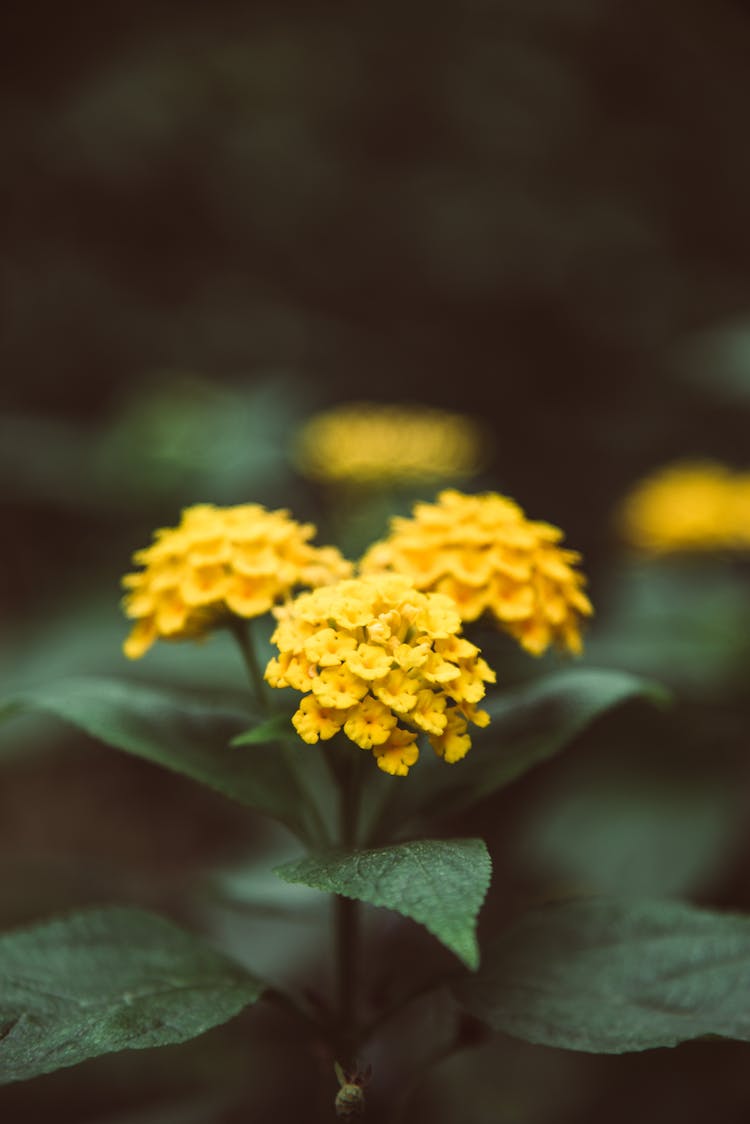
(398, 690)
(217, 563)
(457, 648)
(454, 743)
(366, 443)
(314, 722)
(485, 556)
(479, 717)
(410, 657)
(467, 687)
(370, 661)
(429, 712)
(328, 647)
(693, 506)
(438, 670)
(336, 686)
(290, 670)
(370, 723)
(398, 754)
(383, 661)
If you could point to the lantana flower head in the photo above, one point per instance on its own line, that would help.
(484, 553)
(369, 443)
(382, 662)
(689, 506)
(217, 563)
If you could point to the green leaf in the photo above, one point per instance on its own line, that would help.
(272, 729)
(532, 723)
(682, 620)
(610, 975)
(183, 436)
(440, 883)
(188, 732)
(529, 724)
(617, 830)
(105, 980)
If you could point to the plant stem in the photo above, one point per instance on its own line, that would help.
(241, 632)
(347, 916)
(347, 939)
(318, 834)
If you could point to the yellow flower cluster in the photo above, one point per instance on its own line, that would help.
(366, 443)
(217, 563)
(487, 556)
(690, 506)
(381, 661)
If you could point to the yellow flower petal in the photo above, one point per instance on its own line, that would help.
(370, 661)
(454, 743)
(250, 597)
(314, 722)
(398, 691)
(398, 753)
(429, 712)
(483, 553)
(329, 647)
(204, 585)
(378, 651)
(338, 687)
(171, 613)
(140, 639)
(467, 688)
(219, 562)
(369, 723)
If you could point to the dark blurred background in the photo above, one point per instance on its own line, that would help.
(534, 211)
(221, 219)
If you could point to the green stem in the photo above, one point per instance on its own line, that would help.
(349, 796)
(319, 835)
(347, 939)
(241, 632)
(347, 913)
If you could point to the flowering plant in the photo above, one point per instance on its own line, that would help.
(355, 670)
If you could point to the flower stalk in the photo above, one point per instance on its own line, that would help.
(347, 913)
(240, 630)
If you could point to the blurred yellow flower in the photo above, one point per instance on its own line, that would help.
(367, 443)
(696, 505)
(381, 661)
(220, 562)
(483, 553)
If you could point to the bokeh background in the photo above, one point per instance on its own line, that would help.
(222, 219)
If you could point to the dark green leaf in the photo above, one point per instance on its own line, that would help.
(270, 730)
(536, 721)
(614, 830)
(188, 732)
(104, 980)
(440, 883)
(529, 724)
(610, 975)
(684, 621)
